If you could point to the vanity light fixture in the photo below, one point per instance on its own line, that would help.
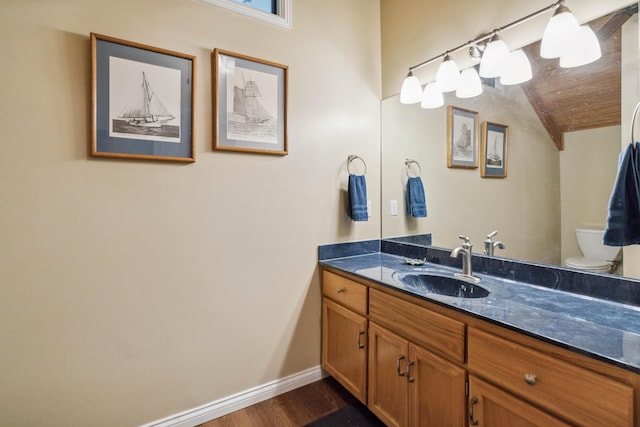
(411, 91)
(448, 75)
(561, 31)
(585, 49)
(517, 68)
(558, 33)
(432, 97)
(494, 57)
(470, 84)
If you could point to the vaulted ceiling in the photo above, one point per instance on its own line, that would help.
(585, 97)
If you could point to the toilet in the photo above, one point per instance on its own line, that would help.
(597, 257)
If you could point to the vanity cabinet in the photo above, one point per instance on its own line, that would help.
(581, 396)
(344, 333)
(416, 363)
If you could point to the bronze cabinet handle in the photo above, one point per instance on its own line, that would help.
(400, 372)
(360, 345)
(472, 420)
(409, 377)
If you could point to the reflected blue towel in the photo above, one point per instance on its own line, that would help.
(623, 219)
(357, 194)
(416, 201)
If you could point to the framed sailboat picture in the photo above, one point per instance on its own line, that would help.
(250, 104)
(462, 138)
(494, 150)
(143, 101)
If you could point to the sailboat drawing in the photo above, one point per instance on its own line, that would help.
(145, 116)
(463, 149)
(246, 103)
(146, 109)
(493, 159)
(252, 107)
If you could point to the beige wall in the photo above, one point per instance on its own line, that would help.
(524, 207)
(134, 290)
(588, 168)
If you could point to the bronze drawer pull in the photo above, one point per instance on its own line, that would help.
(340, 290)
(530, 379)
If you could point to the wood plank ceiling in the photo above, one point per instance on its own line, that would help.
(580, 98)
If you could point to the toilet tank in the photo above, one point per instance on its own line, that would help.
(590, 243)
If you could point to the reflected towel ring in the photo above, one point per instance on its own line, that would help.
(408, 163)
(353, 157)
(633, 122)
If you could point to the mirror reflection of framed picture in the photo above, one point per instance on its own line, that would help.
(494, 150)
(462, 138)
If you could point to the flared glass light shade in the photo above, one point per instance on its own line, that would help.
(585, 49)
(470, 84)
(411, 92)
(517, 68)
(493, 58)
(558, 33)
(448, 75)
(432, 97)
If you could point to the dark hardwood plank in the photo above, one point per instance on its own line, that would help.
(293, 409)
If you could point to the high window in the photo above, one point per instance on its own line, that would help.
(277, 12)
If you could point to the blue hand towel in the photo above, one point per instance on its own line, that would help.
(416, 201)
(623, 219)
(357, 194)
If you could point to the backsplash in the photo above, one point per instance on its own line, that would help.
(340, 250)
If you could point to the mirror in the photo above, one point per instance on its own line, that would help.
(547, 192)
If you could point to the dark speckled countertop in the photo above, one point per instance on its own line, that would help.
(605, 330)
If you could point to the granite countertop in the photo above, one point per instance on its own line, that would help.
(605, 330)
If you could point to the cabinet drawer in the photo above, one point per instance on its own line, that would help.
(431, 330)
(571, 392)
(345, 291)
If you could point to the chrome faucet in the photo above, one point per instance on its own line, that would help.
(465, 250)
(490, 245)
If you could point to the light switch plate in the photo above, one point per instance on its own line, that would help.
(393, 207)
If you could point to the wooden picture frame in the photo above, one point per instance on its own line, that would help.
(495, 139)
(462, 138)
(142, 101)
(250, 104)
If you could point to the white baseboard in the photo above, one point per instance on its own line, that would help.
(218, 408)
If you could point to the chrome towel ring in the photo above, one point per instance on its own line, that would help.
(408, 164)
(353, 157)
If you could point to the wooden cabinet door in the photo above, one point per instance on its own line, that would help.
(344, 347)
(437, 390)
(492, 407)
(388, 396)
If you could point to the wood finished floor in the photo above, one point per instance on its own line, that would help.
(292, 409)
